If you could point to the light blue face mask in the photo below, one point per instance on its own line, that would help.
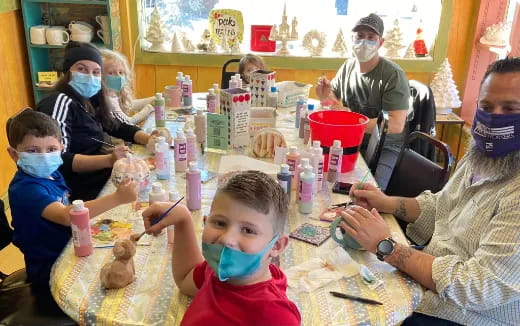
(39, 165)
(115, 83)
(85, 84)
(230, 263)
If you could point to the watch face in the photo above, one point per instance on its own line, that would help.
(385, 247)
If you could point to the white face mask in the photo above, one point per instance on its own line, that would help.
(364, 50)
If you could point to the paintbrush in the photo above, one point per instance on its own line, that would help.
(360, 184)
(351, 297)
(157, 220)
(103, 142)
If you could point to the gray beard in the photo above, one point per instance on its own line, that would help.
(492, 167)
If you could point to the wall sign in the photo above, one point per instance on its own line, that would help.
(226, 22)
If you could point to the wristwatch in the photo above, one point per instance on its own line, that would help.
(385, 248)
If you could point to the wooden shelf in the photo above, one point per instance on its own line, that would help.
(49, 46)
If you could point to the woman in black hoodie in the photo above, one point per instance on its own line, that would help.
(83, 114)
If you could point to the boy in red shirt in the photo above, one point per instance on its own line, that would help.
(232, 279)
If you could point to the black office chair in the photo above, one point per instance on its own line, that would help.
(20, 303)
(414, 173)
(226, 75)
(376, 142)
(422, 117)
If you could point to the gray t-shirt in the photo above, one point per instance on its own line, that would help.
(383, 88)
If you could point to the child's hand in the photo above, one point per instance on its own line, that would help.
(127, 191)
(175, 216)
(120, 151)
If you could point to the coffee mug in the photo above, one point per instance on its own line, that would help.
(346, 241)
(172, 96)
(80, 27)
(56, 35)
(81, 37)
(37, 34)
(103, 22)
(101, 34)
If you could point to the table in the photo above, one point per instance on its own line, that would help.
(153, 299)
(451, 119)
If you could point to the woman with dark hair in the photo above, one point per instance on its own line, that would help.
(80, 107)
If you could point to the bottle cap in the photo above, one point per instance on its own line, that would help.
(158, 96)
(304, 162)
(310, 107)
(211, 91)
(215, 86)
(78, 205)
(284, 168)
(193, 166)
(161, 139)
(189, 132)
(179, 74)
(156, 187)
(233, 78)
(301, 97)
(273, 89)
(174, 195)
(308, 170)
(293, 149)
(316, 144)
(200, 112)
(180, 133)
(337, 143)
(187, 78)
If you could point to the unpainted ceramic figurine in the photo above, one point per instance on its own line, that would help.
(121, 271)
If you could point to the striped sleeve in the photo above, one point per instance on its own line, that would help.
(60, 113)
(422, 229)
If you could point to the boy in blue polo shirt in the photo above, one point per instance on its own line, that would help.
(38, 195)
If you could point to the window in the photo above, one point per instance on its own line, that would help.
(327, 16)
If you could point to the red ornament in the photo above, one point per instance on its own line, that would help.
(419, 46)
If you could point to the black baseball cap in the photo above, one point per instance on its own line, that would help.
(371, 21)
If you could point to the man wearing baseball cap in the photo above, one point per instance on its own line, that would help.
(369, 84)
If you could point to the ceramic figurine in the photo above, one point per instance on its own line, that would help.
(121, 271)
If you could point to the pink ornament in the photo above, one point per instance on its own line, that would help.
(133, 168)
(161, 131)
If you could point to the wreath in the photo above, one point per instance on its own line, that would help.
(308, 42)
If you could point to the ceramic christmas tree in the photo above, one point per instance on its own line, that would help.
(212, 48)
(394, 40)
(444, 89)
(418, 45)
(410, 52)
(155, 34)
(176, 44)
(340, 46)
(235, 48)
(224, 44)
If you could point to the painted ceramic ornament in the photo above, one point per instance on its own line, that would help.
(283, 33)
(164, 132)
(120, 272)
(226, 22)
(314, 42)
(132, 168)
(265, 142)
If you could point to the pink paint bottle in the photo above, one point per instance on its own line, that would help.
(304, 162)
(292, 159)
(191, 145)
(80, 225)
(181, 154)
(193, 187)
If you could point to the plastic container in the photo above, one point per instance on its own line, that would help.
(306, 191)
(317, 164)
(193, 187)
(80, 225)
(187, 91)
(158, 107)
(292, 158)
(334, 164)
(181, 153)
(211, 101)
(284, 179)
(233, 82)
(272, 101)
(301, 126)
(306, 126)
(157, 193)
(288, 92)
(191, 146)
(300, 105)
(179, 79)
(348, 127)
(200, 126)
(217, 94)
(162, 160)
(304, 162)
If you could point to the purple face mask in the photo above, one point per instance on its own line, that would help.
(496, 134)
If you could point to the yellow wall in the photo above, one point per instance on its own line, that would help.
(15, 84)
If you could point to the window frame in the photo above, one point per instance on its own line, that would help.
(428, 64)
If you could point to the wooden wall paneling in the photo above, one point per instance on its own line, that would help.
(144, 76)
(515, 32)
(165, 75)
(207, 76)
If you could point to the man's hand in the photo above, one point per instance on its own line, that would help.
(369, 196)
(323, 88)
(367, 228)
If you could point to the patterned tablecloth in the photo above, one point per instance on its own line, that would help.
(153, 299)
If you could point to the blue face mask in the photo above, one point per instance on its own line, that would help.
(85, 84)
(39, 165)
(230, 263)
(115, 83)
(496, 135)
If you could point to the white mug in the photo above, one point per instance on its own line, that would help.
(103, 35)
(103, 22)
(37, 34)
(56, 35)
(80, 27)
(81, 37)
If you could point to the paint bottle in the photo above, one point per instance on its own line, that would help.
(158, 106)
(303, 115)
(158, 194)
(292, 159)
(335, 156)
(307, 125)
(200, 127)
(162, 160)
(179, 79)
(233, 83)
(304, 162)
(239, 80)
(317, 164)
(80, 225)
(217, 95)
(211, 101)
(191, 146)
(300, 105)
(272, 101)
(305, 191)
(187, 91)
(181, 155)
(284, 179)
(174, 196)
(193, 187)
